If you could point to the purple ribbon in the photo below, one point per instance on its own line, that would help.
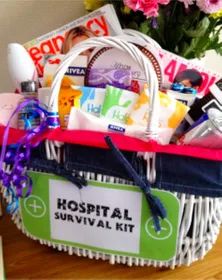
(52, 120)
(17, 176)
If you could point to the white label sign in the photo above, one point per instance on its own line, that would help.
(96, 216)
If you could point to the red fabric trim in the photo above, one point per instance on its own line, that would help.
(96, 139)
(14, 135)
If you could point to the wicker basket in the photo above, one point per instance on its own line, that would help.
(200, 214)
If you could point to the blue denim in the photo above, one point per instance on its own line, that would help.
(173, 172)
(188, 175)
(97, 160)
(157, 209)
(39, 152)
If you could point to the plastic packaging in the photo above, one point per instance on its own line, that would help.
(44, 95)
(186, 98)
(20, 65)
(68, 97)
(79, 120)
(118, 104)
(207, 133)
(202, 105)
(27, 119)
(90, 99)
(172, 112)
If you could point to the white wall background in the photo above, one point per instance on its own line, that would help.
(213, 61)
(23, 20)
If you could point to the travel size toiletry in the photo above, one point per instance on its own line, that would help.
(117, 62)
(20, 65)
(206, 132)
(44, 95)
(101, 77)
(28, 118)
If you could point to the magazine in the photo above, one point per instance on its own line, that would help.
(101, 22)
(169, 67)
(174, 64)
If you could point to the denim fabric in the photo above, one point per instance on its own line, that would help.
(188, 175)
(173, 173)
(39, 152)
(100, 161)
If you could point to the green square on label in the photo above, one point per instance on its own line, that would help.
(104, 217)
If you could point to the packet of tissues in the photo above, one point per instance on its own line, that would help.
(118, 104)
(171, 114)
(90, 99)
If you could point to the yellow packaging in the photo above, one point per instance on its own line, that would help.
(74, 75)
(171, 114)
(68, 97)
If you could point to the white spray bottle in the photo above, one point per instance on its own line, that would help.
(20, 65)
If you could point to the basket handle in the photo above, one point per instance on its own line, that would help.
(146, 38)
(122, 45)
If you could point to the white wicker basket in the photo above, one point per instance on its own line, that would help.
(204, 212)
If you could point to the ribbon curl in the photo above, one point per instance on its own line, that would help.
(19, 154)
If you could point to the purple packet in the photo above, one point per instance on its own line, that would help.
(101, 77)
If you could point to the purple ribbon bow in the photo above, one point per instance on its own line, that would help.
(17, 176)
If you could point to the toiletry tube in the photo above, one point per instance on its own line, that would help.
(79, 120)
(20, 65)
(44, 95)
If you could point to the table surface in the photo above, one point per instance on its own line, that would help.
(27, 259)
